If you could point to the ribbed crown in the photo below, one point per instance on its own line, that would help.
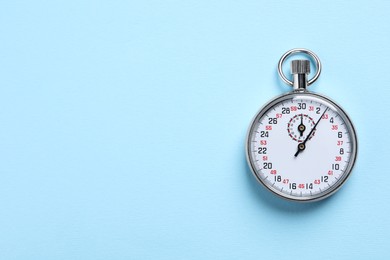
(300, 67)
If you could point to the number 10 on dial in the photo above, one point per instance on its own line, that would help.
(301, 146)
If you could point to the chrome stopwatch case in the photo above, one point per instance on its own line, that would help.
(301, 146)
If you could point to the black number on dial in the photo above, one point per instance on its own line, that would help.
(267, 165)
(264, 134)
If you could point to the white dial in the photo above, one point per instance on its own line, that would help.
(301, 146)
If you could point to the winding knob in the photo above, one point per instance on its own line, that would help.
(300, 67)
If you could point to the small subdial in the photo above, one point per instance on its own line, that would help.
(300, 126)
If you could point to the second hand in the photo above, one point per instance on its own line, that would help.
(302, 145)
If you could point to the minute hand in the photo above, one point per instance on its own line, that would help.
(301, 146)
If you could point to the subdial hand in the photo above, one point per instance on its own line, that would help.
(302, 146)
(301, 127)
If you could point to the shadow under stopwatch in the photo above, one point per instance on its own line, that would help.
(273, 202)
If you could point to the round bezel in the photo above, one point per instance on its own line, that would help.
(331, 104)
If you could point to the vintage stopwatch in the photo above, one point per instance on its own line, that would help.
(301, 146)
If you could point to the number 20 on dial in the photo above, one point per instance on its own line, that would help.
(301, 146)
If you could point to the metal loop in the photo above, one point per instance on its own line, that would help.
(299, 50)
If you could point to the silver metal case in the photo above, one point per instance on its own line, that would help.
(298, 95)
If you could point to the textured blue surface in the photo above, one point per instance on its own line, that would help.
(123, 126)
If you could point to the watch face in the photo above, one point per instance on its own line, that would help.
(301, 146)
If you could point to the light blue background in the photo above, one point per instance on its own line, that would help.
(123, 126)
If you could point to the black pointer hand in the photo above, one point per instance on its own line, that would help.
(302, 145)
(301, 127)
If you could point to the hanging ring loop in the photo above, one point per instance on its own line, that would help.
(299, 50)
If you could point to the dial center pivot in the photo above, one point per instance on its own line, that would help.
(299, 127)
